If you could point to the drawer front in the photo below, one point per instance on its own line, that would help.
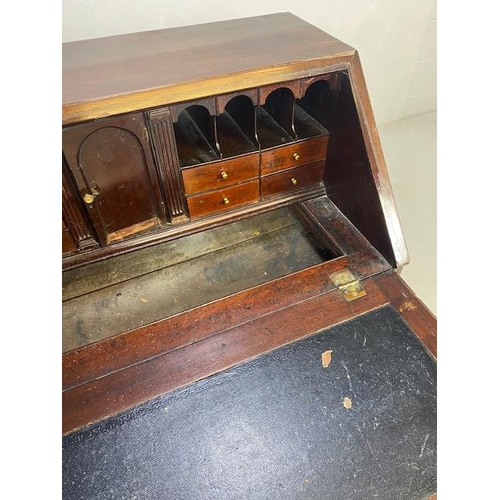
(220, 174)
(293, 155)
(223, 199)
(292, 179)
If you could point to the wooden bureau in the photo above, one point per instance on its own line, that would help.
(226, 204)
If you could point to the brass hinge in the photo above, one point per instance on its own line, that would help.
(347, 283)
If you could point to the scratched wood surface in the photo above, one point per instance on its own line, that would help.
(126, 292)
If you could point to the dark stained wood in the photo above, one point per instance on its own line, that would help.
(330, 226)
(378, 167)
(68, 243)
(333, 80)
(209, 177)
(98, 275)
(188, 282)
(222, 100)
(305, 126)
(111, 161)
(213, 124)
(209, 104)
(292, 179)
(123, 73)
(195, 134)
(284, 157)
(126, 388)
(195, 225)
(355, 175)
(412, 309)
(223, 199)
(164, 149)
(348, 174)
(294, 86)
(235, 127)
(236, 338)
(78, 224)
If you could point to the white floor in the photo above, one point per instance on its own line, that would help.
(410, 149)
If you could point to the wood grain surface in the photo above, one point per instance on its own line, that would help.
(125, 72)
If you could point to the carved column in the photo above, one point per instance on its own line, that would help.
(165, 153)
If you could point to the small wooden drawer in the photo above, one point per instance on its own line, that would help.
(220, 174)
(292, 179)
(293, 155)
(223, 199)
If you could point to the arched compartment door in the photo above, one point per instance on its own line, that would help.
(112, 165)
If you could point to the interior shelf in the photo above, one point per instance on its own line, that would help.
(193, 147)
(270, 134)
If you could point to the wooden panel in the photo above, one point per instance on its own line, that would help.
(214, 201)
(208, 177)
(355, 164)
(111, 161)
(413, 310)
(68, 244)
(378, 166)
(163, 141)
(321, 216)
(145, 240)
(129, 387)
(126, 72)
(292, 155)
(292, 179)
(190, 283)
(78, 224)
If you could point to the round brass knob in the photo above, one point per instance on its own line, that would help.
(294, 181)
(88, 198)
(225, 201)
(224, 175)
(296, 156)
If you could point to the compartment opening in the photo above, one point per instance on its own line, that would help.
(236, 127)
(275, 119)
(124, 292)
(195, 136)
(319, 103)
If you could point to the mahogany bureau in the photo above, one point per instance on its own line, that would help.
(234, 323)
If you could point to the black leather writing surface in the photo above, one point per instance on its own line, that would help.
(281, 426)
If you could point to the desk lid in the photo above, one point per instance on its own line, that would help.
(125, 72)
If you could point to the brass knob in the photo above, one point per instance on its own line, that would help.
(296, 156)
(294, 181)
(225, 201)
(88, 198)
(224, 175)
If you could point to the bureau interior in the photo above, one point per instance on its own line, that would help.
(124, 292)
(144, 177)
(169, 208)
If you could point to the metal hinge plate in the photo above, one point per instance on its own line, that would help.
(348, 284)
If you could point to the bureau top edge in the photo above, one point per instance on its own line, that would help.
(123, 73)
